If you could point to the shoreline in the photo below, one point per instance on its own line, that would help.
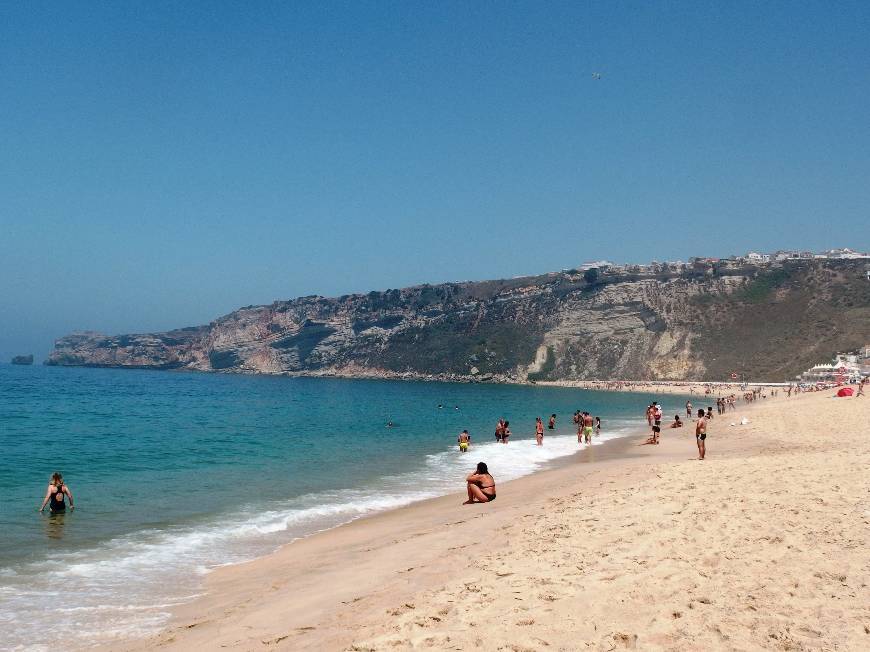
(225, 586)
(646, 549)
(613, 450)
(615, 385)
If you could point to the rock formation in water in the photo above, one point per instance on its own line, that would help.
(768, 322)
(23, 359)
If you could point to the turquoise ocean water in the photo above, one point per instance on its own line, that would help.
(175, 474)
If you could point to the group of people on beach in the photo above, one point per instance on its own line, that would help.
(654, 419)
(586, 425)
(480, 485)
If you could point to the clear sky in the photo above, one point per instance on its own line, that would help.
(162, 164)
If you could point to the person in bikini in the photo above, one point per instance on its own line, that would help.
(539, 431)
(480, 485)
(464, 441)
(55, 494)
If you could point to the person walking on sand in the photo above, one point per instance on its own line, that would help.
(480, 485)
(54, 496)
(539, 431)
(701, 434)
(464, 441)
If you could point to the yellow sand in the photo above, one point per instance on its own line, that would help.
(764, 545)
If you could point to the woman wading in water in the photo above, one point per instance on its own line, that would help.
(481, 486)
(55, 496)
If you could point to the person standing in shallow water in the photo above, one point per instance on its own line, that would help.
(55, 496)
(506, 432)
(539, 431)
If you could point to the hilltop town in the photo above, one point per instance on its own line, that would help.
(733, 263)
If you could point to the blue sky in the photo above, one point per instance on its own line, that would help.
(165, 163)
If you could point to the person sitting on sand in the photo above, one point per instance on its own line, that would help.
(677, 423)
(481, 486)
(464, 440)
(54, 496)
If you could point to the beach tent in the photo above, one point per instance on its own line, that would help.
(845, 391)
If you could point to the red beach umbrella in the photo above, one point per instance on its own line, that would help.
(845, 391)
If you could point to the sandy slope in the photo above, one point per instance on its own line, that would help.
(762, 546)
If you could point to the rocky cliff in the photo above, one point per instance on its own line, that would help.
(768, 322)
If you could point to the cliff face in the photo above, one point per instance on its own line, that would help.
(769, 323)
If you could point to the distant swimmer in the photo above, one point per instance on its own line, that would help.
(539, 431)
(440, 406)
(552, 424)
(464, 440)
(480, 485)
(55, 494)
(596, 75)
(455, 407)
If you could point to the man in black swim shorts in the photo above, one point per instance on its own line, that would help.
(701, 434)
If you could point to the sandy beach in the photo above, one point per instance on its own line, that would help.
(761, 546)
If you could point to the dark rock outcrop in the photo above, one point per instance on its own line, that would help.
(23, 359)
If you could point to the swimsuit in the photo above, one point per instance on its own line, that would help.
(57, 503)
(489, 486)
(463, 446)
